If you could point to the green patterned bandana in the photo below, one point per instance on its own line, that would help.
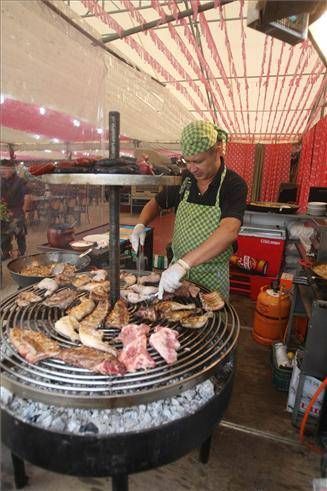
(199, 136)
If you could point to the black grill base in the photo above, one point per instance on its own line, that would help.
(115, 455)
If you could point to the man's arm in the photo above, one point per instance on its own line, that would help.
(150, 211)
(217, 243)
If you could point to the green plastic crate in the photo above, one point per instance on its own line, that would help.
(281, 377)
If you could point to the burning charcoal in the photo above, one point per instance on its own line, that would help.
(89, 428)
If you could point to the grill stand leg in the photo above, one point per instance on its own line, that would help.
(21, 479)
(120, 482)
(205, 450)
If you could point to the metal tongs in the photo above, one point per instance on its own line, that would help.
(140, 262)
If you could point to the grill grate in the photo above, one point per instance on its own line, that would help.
(54, 382)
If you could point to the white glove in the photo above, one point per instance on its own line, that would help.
(171, 278)
(138, 236)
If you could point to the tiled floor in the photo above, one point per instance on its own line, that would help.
(254, 449)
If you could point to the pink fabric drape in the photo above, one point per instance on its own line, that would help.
(313, 161)
(240, 158)
(276, 169)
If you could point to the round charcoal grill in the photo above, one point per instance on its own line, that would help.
(55, 382)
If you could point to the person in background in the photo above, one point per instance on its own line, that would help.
(209, 206)
(13, 191)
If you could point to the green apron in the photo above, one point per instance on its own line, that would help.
(194, 224)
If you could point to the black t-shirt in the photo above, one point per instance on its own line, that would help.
(232, 199)
(13, 192)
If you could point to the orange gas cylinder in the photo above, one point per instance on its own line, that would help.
(271, 315)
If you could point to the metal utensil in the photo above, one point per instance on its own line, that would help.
(85, 252)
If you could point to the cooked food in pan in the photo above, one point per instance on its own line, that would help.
(321, 270)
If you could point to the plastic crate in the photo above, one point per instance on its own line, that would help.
(281, 376)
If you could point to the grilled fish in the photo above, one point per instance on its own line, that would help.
(85, 307)
(68, 326)
(26, 298)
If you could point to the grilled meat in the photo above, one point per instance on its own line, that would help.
(81, 279)
(168, 305)
(147, 313)
(127, 278)
(33, 346)
(187, 290)
(176, 315)
(94, 339)
(93, 360)
(164, 341)
(99, 275)
(61, 299)
(68, 326)
(94, 284)
(211, 301)
(99, 293)
(132, 331)
(119, 316)
(24, 299)
(96, 317)
(196, 321)
(64, 277)
(85, 307)
(134, 354)
(49, 285)
(152, 278)
(144, 290)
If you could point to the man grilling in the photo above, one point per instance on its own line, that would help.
(209, 205)
(13, 191)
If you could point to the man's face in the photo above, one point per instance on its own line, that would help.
(6, 172)
(203, 165)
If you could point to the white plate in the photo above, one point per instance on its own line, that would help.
(96, 237)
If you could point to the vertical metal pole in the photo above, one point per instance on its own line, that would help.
(114, 209)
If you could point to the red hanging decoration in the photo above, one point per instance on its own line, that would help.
(240, 158)
(99, 12)
(313, 161)
(276, 169)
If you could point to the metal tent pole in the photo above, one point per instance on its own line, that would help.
(114, 208)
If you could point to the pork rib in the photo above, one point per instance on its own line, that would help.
(164, 340)
(93, 360)
(134, 354)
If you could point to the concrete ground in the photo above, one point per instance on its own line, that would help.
(255, 448)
